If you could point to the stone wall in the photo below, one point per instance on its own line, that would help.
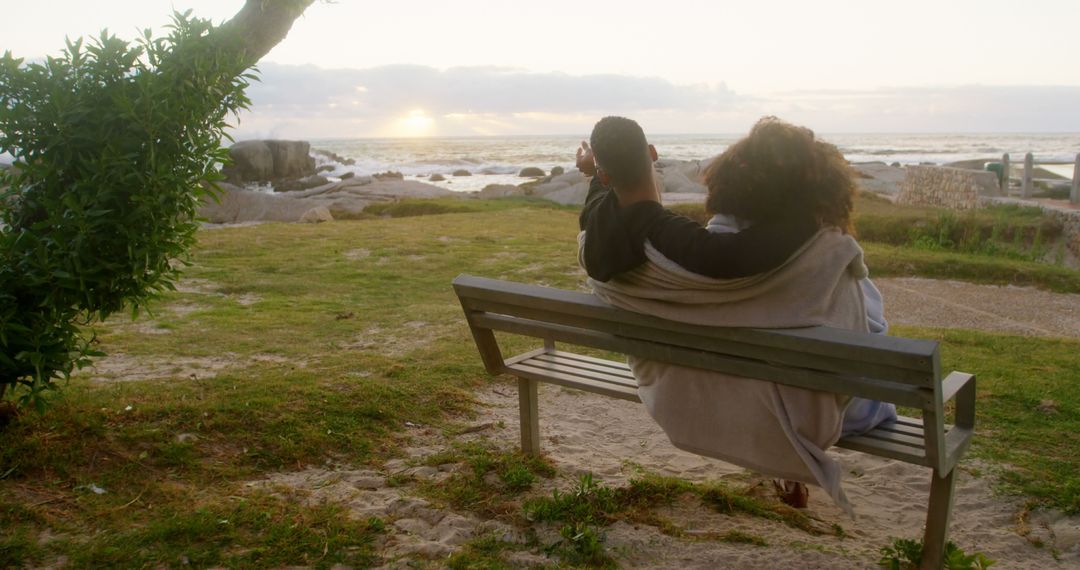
(953, 188)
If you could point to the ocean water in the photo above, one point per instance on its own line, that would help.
(498, 160)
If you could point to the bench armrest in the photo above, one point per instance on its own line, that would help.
(961, 386)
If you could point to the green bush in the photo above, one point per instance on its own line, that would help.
(114, 143)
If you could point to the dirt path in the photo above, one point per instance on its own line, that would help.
(954, 304)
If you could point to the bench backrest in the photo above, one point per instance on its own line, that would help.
(903, 371)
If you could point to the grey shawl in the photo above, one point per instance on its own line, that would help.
(778, 430)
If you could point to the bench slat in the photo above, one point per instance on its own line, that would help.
(897, 438)
(912, 354)
(617, 365)
(525, 370)
(897, 427)
(591, 375)
(867, 388)
(884, 449)
(620, 372)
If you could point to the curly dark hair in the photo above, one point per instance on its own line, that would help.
(780, 170)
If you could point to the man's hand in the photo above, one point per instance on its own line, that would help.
(585, 162)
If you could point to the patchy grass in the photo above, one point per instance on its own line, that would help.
(589, 506)
(1028, 395)
(898, 261)
(491, 482)
(326, 339)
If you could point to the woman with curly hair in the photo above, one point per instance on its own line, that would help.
(780, 175)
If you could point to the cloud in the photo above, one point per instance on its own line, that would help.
(961, 109)
(311, 102)
(288, 96)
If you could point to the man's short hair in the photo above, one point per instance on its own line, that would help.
(621, 150)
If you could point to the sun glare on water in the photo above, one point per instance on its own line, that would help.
(416, 124)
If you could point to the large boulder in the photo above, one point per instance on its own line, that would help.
(252, 161)
(292, 159)
(269, 161)
(531, 172)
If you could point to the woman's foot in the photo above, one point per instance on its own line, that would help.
(792, 493)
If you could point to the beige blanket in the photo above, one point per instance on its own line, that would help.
(777, 430)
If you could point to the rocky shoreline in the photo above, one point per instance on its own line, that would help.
(289, 181)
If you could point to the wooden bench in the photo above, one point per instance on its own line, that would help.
(902, 371)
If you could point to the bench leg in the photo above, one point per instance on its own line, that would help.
(937, 520)
(530, 416)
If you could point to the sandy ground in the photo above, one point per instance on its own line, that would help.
(615, 440)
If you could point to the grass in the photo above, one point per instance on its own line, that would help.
(325, 339)
(1001, 245)
(472, 489)
(1015, 376)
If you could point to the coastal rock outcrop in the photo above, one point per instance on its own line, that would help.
(531, 172)
(268, 161)
(295, 184)
(462, 172)
(342, 200)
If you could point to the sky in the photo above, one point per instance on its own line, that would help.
(480, 67)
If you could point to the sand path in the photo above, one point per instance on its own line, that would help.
(955, 304)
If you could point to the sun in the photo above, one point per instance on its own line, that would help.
(416, 124)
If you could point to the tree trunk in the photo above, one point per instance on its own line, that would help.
(257, 28)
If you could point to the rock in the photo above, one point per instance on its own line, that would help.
(895, 165)
(675, 182)
(342, 200)
(324, 168)
(531, 172)
(186, 437)
(501, 191)
(252, 162)
(556, 171)
(305, 183)
(348, 175)
(348, 210)
(569, 195)
(237, 205)
(267, 161)
(316, 215)
(292, 159)
(334, 156)
(462, 172)
(1047, 407)
(436, 178)
(389, 175)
